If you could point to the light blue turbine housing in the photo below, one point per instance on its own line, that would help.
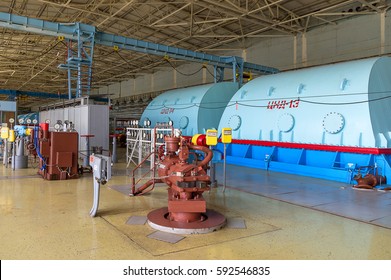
(332, 106)
(193, 109)
(302, 120)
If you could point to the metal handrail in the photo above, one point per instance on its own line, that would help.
(134, 183)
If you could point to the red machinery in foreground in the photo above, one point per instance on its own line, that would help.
(57, 152)
(186, 211)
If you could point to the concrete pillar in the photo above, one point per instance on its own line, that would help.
(382, 32)
(304, 50)
(295, 51)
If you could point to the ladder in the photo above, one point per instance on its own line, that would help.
(79, 62)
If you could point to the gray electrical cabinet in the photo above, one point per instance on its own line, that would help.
(89, 119)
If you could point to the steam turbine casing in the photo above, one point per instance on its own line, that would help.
(193, 110)
(339, 104)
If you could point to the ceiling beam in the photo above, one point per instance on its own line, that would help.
(69, 31)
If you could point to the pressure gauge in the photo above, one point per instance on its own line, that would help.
(11, 120)
(57, 126)
(21, 121)
(136, 122)
(35, 121)
(147, 122)
(28, 121)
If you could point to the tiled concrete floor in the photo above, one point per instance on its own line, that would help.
(49, 220)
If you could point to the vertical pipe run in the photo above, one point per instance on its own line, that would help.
(212, 171)
(304, 50)
(13, 155)
(69, 71)
(87, 156)
(224, 167)
(114, 155)
(382, 31)
(5, 153)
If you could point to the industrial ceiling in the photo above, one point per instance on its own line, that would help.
(29, 62)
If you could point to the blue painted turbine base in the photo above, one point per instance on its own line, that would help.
(335, 166)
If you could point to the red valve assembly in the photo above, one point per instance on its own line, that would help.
(186, 212)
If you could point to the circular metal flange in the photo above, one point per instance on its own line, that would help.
(234, 122)
(333, 122)
(183, 122)
(214, 221)
(286, 122)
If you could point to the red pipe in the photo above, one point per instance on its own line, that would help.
(207, 151)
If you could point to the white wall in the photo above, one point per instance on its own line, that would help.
(164, 79)
(276, 52)
(349, 39)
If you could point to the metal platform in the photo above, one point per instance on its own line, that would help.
(369, 206)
